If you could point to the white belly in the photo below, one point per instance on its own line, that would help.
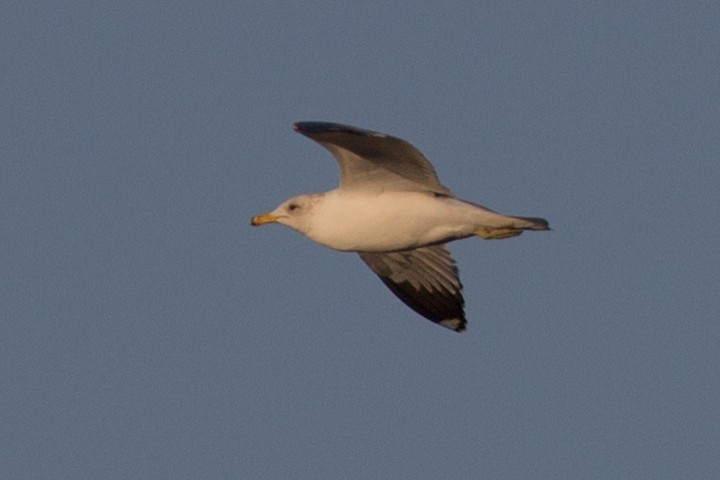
(390, 221)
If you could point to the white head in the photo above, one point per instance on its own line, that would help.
(294, 212)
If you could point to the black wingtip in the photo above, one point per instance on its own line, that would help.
(313, 128)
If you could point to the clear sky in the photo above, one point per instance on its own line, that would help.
(147, 331)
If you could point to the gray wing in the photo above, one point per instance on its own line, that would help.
(426, 280)
(372, 160)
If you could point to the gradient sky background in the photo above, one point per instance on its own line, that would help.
(148, 331)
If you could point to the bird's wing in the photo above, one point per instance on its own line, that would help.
(372, 160)
(426, 280)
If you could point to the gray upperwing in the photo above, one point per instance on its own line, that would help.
(372, 160)
(426, 280)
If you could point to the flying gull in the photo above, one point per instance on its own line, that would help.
(392, 210)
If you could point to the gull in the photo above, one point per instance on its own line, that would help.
(392, 210)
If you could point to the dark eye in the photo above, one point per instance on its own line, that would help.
(293, 206)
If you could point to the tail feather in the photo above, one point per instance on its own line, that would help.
(526, 223)
(536, 223)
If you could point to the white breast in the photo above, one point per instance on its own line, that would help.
(354, 221)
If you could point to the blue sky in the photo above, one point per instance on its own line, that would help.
(148, 331)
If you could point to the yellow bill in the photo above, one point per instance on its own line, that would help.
(262, 219)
